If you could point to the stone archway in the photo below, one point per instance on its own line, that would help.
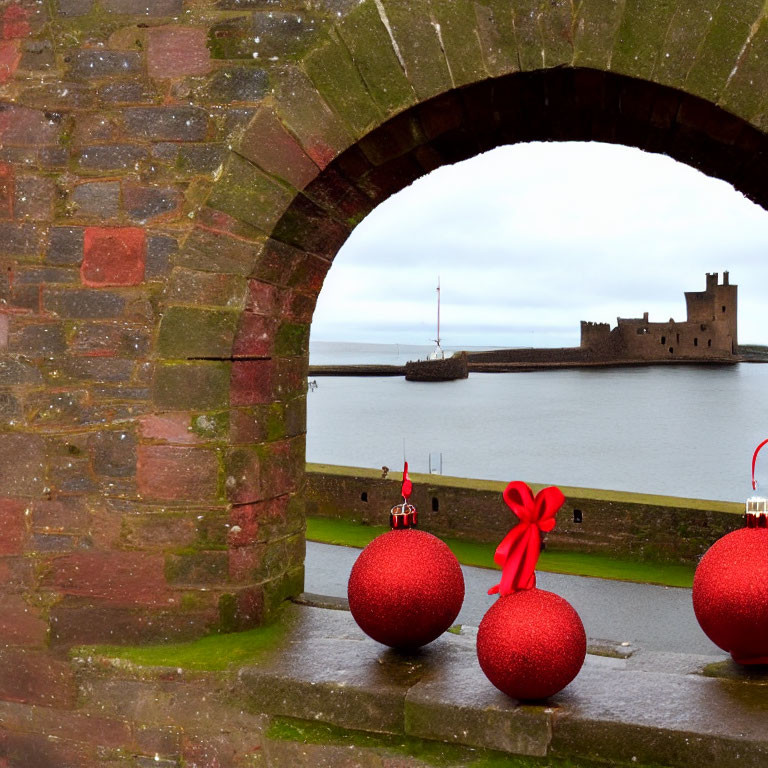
(153, 463)
(297, 178)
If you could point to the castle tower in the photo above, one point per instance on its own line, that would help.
(716, 310)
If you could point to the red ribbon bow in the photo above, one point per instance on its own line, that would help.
(518, 552)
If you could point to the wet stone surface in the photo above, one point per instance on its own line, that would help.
(645, 708)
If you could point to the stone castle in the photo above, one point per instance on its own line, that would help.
(710, 332)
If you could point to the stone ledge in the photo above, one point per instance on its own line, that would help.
(648, 708)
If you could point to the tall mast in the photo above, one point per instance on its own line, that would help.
(438, 310)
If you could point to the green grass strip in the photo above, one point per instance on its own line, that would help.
(347, 534)
(211, 653)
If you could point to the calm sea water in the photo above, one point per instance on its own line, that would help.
(678, 430)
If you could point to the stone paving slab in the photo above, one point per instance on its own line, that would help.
(329, 671)
(647, 708)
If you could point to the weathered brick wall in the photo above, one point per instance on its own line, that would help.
(175, 179)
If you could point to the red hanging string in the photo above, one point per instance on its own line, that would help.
(519, 551)
(754, 459)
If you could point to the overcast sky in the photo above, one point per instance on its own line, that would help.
(532, 238)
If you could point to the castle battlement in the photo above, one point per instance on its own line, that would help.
(710, 329)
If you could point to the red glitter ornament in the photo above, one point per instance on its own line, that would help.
(730, 594)
(406, 587)
(531, 643)
(730, 587)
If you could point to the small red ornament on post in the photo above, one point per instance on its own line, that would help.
(404, 515)
(406, 587)
(730, 586)
(531, 643)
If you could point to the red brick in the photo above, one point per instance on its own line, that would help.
(291, 377)
(68, 515)
(76, 620)
(124, 578)
(248, 425)
(37, 749)
(15, 22)
(271, 147)
(300, 307)
(243, 483)
(245, 521)
(35, 677)
(142, 203)
(20, 623)
(4, 328)
(17, 571)
(168, 427)
(159, 531)
(281, 467)
(217, 750)
(174, 52)
(6, 191)
(255, 336)
(177, 473)
(24, 127)
(257, 521)
(58, 723)
(252, 382)
(113, 256)
(10, 56)
(250, 607)
(263, 298)
(245, 563)
(13, 524)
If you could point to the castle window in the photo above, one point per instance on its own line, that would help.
(703, 327)
(723, 309)
(678, 338)
(364, 496)
(709, 342)
(577, 516)
(435, 504)
(663, 339)
(671, 350)
(695, 342)
(641, 331)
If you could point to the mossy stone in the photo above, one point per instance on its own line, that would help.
(187, 332)
(249, 195)
(368, 40)
(331, 69)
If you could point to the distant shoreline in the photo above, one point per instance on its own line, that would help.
(399, 370)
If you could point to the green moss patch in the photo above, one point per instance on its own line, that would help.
(480, 554)
(432, 753)
(212, 653)
(729, 670)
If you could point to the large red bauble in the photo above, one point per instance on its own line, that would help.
(531, 644)
(406, 588)
(730, 594)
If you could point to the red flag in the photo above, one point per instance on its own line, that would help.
(407, 484)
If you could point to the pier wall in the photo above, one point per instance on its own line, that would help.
(638, 526)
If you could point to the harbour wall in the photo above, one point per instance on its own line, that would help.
(638, 526)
